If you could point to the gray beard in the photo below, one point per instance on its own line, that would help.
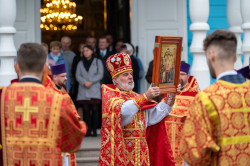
(126, 87)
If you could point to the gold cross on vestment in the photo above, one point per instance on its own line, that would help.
(140, 123)
(26, 109)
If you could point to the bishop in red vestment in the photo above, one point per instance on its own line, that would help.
(126, 115)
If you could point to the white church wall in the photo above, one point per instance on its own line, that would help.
(156, 18)
(27, 22)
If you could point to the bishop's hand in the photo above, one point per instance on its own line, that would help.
(170, 98)
(152, 92)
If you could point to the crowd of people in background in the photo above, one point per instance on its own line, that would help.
(86, 72)
(168, 132)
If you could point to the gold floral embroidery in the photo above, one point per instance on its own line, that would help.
(140, 100)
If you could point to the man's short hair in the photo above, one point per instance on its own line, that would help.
(45, 46)
(55, 44)
(66, 37)
(103, 37)
(130, 47)
(31, 57)
(124, 46)
(89, 37)
(225, 40)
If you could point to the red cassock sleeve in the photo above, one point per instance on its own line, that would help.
(160, 152)
(73, 130)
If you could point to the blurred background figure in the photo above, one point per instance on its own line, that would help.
(68, 56)
(76, 60)
(57, 57)
(118, 45)
(46, 48)
(123, 49)
(103, 54)
(149, 74)
(89, 73)
(135, 65)
(91, 41)
(111, 47)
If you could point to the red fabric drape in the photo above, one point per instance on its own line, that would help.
(160, 152)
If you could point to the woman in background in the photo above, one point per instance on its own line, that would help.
(89, 73)
(76, 60)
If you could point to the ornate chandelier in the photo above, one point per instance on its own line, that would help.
(59, 15)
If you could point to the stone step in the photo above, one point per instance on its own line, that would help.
(87, 164)
(88, 152)
(87, 161)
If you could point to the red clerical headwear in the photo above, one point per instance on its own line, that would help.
(118, 64)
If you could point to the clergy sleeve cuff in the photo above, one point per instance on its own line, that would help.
(169, 99)
(140, 101)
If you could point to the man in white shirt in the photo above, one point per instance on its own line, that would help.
(103, 54)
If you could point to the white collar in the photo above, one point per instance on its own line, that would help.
(103, 51)
(29, 76)
(230, 72)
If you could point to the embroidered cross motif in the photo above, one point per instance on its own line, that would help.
(140, 123)
(26, 109)
(26, 156)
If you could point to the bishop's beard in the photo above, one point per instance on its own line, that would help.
(126, 86)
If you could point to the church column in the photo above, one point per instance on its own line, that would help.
(199, 12)
(235, 21)
(7, 47)
(245, 12)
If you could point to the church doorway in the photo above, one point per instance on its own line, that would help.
(100, 17)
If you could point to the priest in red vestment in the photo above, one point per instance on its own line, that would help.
(58, 84)
(46, 73)
(126, 115)
(175, 120)
(37, 124)
(216, 132)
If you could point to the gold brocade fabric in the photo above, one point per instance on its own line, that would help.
(217, 131)
(185, 98)
(38, 125)
(122, 145)
(51, 85)
(136, 149)
(175, 120)
(48, 83)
